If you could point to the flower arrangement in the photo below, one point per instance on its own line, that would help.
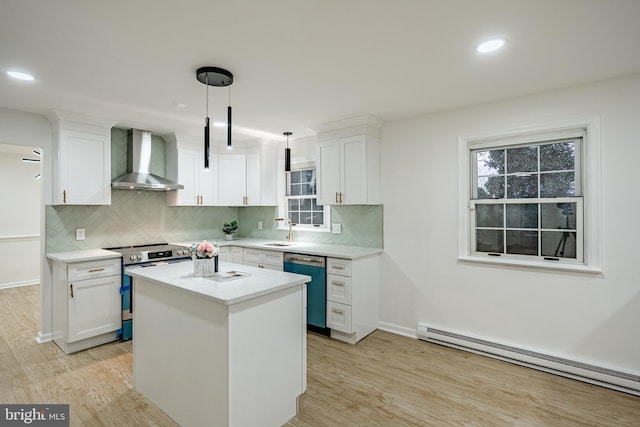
(204, 250)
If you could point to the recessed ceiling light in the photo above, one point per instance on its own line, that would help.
(180, 105)
(20, 75)
(491, 45)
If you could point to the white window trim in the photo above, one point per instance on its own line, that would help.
(283, 211)
(591, 190)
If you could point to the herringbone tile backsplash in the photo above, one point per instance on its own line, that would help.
(142, 217)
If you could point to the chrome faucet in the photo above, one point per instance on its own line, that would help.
(290, 236)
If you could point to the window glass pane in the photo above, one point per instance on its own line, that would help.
(315, 206)
(522, 242)
(318, 218)
(490, 162)
(490, 241)
(523, 159)
(558, 215)
(295, 177)
(558, 157)
(294, 217)
(296, 189)
(305, 204)
(305, 217)
(308, 175)
(308, 189)
(522, 187)
(561, 244)
(293, 204)
(489, 215)
(491, 187)
(522, 216)
(560, 184)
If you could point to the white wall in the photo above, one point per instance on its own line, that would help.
(581, 316)
(19, 218)
(34, 130)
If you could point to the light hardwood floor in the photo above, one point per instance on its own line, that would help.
(385, 380)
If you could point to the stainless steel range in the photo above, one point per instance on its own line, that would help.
(142, 256)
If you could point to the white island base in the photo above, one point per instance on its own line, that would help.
(206, 363)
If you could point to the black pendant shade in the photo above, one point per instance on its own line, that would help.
(287, 153)
(214, 76)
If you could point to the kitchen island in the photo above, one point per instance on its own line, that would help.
(227, 350)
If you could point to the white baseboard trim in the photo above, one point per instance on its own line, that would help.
(20, 283)
(42, 338)
(398, 330)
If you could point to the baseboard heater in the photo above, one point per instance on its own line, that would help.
(606, 377)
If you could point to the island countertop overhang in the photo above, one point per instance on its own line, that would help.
(260, 281)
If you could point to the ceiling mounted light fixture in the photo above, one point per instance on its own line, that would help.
(214, 76)
(491, 45)
(287, 153)
(20, 75)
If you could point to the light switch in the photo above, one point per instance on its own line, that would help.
(336, 228)
(80, 235)
(259, 225)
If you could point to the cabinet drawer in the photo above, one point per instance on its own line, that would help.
(93, 269)
(339, 266)
(339, 289)
(273, 258)
(339, 317)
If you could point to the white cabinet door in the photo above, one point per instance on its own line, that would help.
(329, 172)
(200, 184)
(187, 176)
(93, 307)
(83, 168)
(253, 180)
(353, 170)
(232, 175)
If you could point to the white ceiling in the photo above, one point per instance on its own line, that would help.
(299, 63)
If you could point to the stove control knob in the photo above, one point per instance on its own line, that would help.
(139, 257)
(132, 257)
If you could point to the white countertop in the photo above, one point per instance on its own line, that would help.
(260, 282)
(319, 249)
(83, 255)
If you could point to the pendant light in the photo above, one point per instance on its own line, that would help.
(214, 76)
(287, 153)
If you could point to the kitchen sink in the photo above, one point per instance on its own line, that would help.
(278, 244)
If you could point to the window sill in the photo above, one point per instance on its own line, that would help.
(310, 229)
(551, 265)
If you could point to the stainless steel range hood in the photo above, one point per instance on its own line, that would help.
(138, 159)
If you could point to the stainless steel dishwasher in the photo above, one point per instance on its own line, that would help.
(313, 266)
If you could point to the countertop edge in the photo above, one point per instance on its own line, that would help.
(83, 255)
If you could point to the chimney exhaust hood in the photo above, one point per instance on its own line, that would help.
(138, 159)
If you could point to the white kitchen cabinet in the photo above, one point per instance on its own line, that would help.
(349, 171)
(185, 165)
(352, 297)
(248, 179)
(81, 160)
(273, 260)
(232, 254)
(87, 305)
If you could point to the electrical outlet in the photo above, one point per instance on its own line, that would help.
(259, 225)
(80, 234)
(336, 228)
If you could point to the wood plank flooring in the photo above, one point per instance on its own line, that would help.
(385, 380)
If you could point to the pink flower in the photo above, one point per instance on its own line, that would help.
(206, 250)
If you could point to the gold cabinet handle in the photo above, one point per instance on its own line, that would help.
(337, 267)
(95, 270)
(71, 285)
(337, 197)
(340, 197)
(337, 283)
(335, 310)
(64, 196)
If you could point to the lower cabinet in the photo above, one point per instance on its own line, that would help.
(352, 297)
(272, 260)
(87, 303)
(232, 254)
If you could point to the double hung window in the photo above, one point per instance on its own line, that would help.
(532, 197)
(301, 202)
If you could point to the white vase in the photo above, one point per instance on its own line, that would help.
(203, 267)
(228, 237)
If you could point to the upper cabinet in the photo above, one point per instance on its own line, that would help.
(185, 164)
(248, 179)
(245, 176)
(349, 162)
(81, 160)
